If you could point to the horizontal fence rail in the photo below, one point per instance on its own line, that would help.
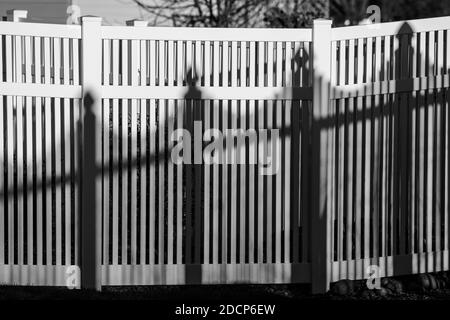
(358, 124)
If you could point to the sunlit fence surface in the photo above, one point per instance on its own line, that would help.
(360, 162)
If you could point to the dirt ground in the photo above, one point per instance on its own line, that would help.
(212, 293)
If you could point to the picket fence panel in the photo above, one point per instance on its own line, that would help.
(219, 231)
(383, 190)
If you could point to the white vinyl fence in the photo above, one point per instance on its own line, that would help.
(363, 116)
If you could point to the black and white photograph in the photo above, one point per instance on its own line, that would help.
(224, 158)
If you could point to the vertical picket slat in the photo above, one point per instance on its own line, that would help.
(76, 157)
(268, 153)
(206, 183)
(76, 61)
(143, 173)
(37, 59)
(350, 128)
(115, 174)
(2, 172)
(47, 66)
(125, 159)
(179, 199)
(22, 192)
(244, 66)
(276, 163)
(115, 54)
(66, 61)
(27, 41)
(296, 68)
(438, 180)
(234, 63)
(216, 124)
(106, 164)
(287, 167)
(413, 173)
(48, 180)
(276, 154)
(387, 58)
(351, 61)
(396, 58)
(376, 155)
(125, 63)
(180, 60)
(106, 62)
(225, 63)
(170, 178)
(106, 167)
(143, 63)
(260, 177)
(124, 153)
(422, 45)
(207, 105)
(38, 150)
(369, 60)
(10, 163)
(377, 62)
(170, 63)
(161, 175)
(115, 153)
(430, 109)
(359, 172)
(19, 165)
(225, 111)
(152, 62)
(440, 152)
(39, 180)
(67, 177)
(447, 165)
(421, 169)
(342, 62)
(56, 60)
(231, 153)
(340, 111)
(241, 158)
(162, 63)
(251, 159)
(57, 148)
(152, 183)
(385, 177)
(28, 126)
(47, 143)
(431, 56)
(208, 191)
(134, 74)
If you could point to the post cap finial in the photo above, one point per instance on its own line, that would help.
(323, 22)
(91, 19)
(137, 23)
(16, 15)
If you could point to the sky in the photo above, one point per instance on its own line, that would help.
(114, 12)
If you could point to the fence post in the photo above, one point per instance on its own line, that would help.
(91, 179)
(15, 15)
(320, 220)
